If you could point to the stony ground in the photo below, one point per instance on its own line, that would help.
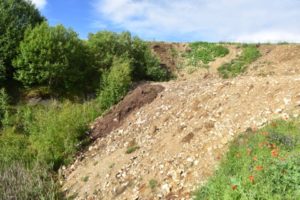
(169, 147)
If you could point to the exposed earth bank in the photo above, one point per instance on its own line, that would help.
(168, 147)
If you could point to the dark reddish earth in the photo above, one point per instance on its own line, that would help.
(137, 98)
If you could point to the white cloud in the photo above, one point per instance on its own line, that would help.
(214, 20)
(271, 36)
(40, 4)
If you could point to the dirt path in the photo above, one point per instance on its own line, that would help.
(180, 136)
(233, 53)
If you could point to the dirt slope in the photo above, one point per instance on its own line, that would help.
(181, 136)
(277, 60)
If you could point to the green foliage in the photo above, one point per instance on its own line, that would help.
(239, 65)
(85, 179)
(18, 119)
(54, 57)
(15, 17)
(58, 131)
(132, 149)
(204, 52)
(19, 182)
(115, 83)
(14, 147)
(50, 134)
(106, 46)
(153, 184)
(259, 165)
(2, 72)
(4, 106)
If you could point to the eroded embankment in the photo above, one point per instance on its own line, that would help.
(180, 137)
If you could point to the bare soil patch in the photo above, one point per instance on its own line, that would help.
(140, 96)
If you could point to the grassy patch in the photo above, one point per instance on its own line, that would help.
(202, 53)
(132, 149)
(239, 65)
(153, 184)
(259, 165)
(85, 179)
(112, 165)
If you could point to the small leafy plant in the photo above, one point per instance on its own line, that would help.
(153, 184)
(132, 149)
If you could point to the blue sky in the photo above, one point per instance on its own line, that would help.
(181, 20)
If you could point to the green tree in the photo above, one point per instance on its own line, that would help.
(54, 57)
(106, 45)
(15, 17)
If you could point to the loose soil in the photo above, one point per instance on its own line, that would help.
(183, 130)
(139, 97)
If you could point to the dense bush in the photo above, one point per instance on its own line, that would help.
(107, 45)
(53, 57)
(15, 17)
(115, 82)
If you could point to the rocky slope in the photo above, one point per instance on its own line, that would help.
(169, 147)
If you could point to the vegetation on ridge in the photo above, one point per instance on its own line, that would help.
(201, 53)
(239, 65)
(62, 83)
(263, 164)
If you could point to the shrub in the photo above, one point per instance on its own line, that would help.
(154, 71)
(54, 57)
(107, 45)
(115, 83)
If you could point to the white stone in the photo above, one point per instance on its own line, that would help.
(166, 188)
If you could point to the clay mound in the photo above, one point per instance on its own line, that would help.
(142, 95)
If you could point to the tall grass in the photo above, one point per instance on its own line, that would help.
(20, 182)
(47, 136)
(59, 130)
(259, 165)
